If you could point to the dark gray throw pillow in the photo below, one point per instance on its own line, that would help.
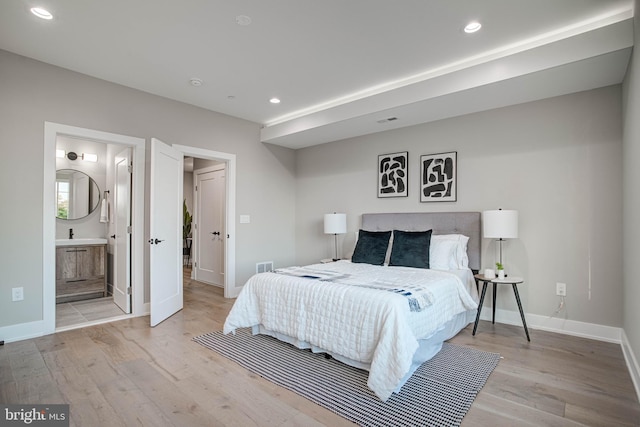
(410, 249)
(371, 247)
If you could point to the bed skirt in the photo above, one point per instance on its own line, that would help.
(428, 347)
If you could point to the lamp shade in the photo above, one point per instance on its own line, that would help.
(335, 223)
(500, 224)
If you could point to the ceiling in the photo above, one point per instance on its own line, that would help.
(340, 68)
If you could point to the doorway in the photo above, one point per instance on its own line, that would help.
(93, 188)
(229, 240)
(165, 225)
(137, 145)
(141, 300)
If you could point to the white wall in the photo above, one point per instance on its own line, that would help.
(557, 161)
(34, 92)
(631, 155)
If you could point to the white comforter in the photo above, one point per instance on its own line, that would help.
(368, 325)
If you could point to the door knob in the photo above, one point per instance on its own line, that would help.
(113, 236)
(155, 241)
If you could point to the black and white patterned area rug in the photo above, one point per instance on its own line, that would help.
(439, 393)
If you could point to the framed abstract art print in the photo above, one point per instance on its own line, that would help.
(392, 174)
(438, 177)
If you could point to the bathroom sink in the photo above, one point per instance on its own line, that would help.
(81, 241)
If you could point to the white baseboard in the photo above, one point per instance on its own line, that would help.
(23, 331)
(234, 292)
(555, 324)
(632, 363)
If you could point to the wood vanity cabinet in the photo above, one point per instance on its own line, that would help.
(80, 272)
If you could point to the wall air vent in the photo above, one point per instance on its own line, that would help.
(263, 267)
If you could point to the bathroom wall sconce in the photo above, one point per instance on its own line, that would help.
(61, 154)
(84, 156)
(90, 157)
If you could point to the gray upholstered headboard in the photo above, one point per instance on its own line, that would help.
(467, 223)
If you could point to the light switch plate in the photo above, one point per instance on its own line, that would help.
(245, 219)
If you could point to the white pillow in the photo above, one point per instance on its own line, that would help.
(460, 259)
(442, 254)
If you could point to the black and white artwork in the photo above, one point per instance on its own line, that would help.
(392, 174)
(438, 177)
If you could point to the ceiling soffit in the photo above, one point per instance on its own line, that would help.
(580, 58)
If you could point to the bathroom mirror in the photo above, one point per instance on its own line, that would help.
(77, 194)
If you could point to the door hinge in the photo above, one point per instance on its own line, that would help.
(129, 229)
(130, 168)
(195, 226)
(129, 290)
(196, 188)
(195, 264)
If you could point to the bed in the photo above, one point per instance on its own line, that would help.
(382, 311)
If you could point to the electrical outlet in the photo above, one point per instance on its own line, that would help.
(561, 289)
(17, 294)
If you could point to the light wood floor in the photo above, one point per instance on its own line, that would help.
(126, 373)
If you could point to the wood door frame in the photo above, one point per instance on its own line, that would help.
(51, 132)
(230, 289)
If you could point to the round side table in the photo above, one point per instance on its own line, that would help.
(514, 282)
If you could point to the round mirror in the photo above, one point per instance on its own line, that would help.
(77, 195)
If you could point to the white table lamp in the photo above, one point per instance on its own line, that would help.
(500, 224)
(335, 223)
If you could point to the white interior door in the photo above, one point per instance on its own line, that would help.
(165, 231)
(122, 221)
(210, 226)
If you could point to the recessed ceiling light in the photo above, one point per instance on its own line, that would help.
(196, 82)
(243, 20)
(41, 13)
(274, 101)
(472, 27)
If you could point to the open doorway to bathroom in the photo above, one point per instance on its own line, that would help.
(93, 231)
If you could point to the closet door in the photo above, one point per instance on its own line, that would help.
(210, 225)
